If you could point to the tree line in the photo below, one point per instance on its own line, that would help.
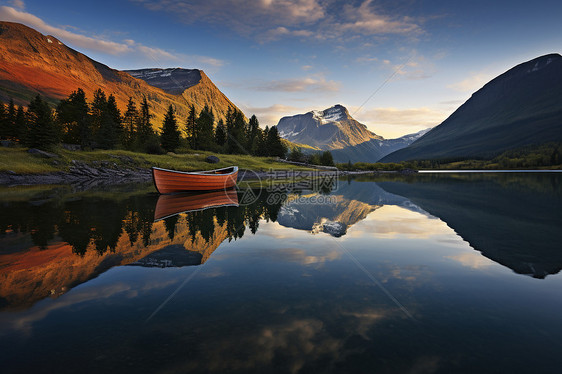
(316, 158)
(101, 125)
(98, 222)
(234, 136)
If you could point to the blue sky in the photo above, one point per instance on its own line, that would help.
(399, 66)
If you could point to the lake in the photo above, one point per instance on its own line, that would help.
(428, 273)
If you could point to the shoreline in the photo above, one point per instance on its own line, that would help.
(87, 176)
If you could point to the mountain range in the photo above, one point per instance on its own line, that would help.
(32, 63)
(334, 129)
(521, 107)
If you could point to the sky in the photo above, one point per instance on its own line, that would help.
(399, 66)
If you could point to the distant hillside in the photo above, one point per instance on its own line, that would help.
(375, 149)
(520, 107)
(334, 129)
(32, 63)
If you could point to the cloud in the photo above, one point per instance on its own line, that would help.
(155, 52)
(242, 16)
(271, 115)
(18, 4)
(415, 68)
(281, 31)
(472, 83)
(268, 20)
(364, 20)
(303, 257)
(391, 221)
(99, 44)
(473, 260)
(414, 117)
(316, 83)
(366, 59)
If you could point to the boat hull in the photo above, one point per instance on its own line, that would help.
(171, 181)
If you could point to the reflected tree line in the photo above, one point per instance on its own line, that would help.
(98, 222)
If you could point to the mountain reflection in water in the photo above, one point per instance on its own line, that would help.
(53, 241)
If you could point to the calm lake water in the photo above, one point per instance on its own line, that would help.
(421, 274)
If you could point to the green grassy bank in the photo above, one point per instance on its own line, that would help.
(18, 160)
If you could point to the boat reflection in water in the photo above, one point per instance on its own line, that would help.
(171, 205)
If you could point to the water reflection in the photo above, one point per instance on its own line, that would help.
(174, 204)
(513, 219)
(53, 241)
(290, 298)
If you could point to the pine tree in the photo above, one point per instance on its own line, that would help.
(116, 120)
(21, 123)
(144, 127)
(190, 128)
(296, 155)
(73, 118)
(170, 137)
(8, 127)
(274, 144)
(257, 140)
(326, 159)
(204, 125)
(98, 115)
(3, 122)
(236, 141)
(42, 132)
(130, 121)
(262, 143)
(252, 131)
(12, 130)
(104, 117)
(220, 133)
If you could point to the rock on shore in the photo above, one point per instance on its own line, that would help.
(81, 174)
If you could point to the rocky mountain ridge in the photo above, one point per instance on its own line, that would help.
(334, 129)
(32, 63)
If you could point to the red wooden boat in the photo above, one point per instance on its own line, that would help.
(170, 181)
(170, 205)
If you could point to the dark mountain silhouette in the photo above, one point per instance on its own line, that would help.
(520, 107)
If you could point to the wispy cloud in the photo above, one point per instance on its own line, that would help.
(157, 56)
(366, 20)
(97, 44)
(416, 67)
(267, 20)
(474, 260)
(410, 117)
(271, 115)
(471, 83)
(18, 4)
(317, 83)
